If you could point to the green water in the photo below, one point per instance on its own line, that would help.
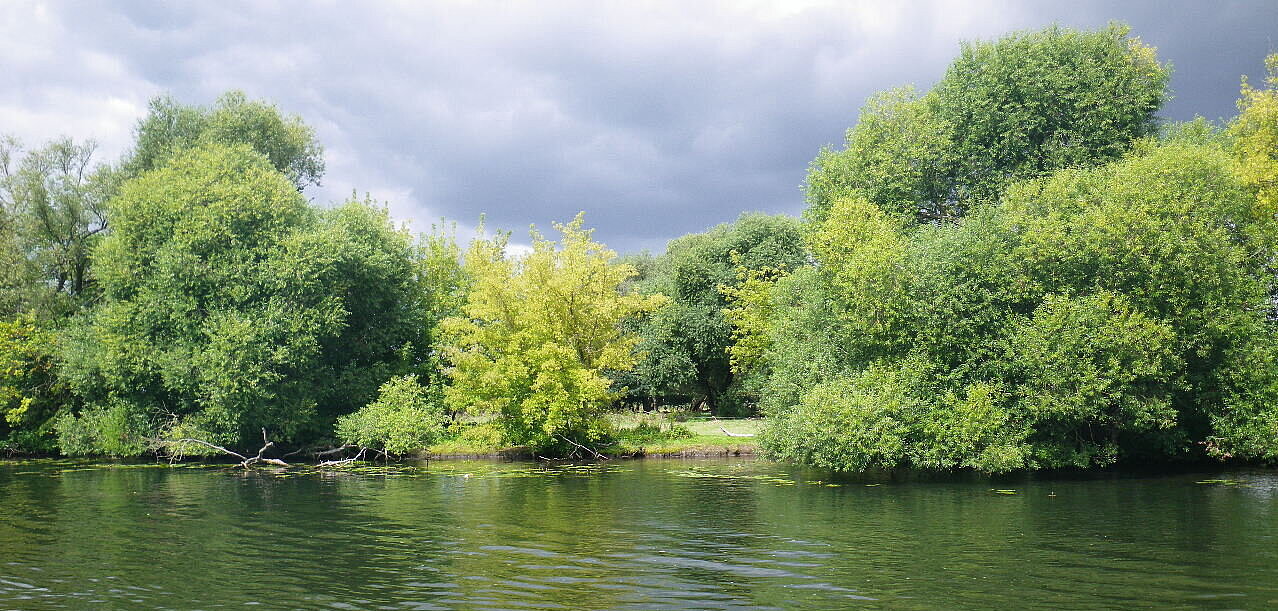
(696, 534)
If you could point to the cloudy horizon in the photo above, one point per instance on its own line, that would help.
(657, 119)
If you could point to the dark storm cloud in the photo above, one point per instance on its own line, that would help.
(657, 119)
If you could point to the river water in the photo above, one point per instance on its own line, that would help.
(645, 534)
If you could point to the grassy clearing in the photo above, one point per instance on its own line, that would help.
(635, 434)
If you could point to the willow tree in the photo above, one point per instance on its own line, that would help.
(52, 215)
(538, 335)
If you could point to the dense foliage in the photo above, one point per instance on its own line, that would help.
(403, 419)
(229, 304)
(172, 127)
(30, 396)
(53, 213)
(685, 345)
(1094, 314)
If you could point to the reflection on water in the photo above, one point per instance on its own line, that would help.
(700, 534)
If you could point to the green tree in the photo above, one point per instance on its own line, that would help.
(1088, 371)
(1094, 315)
(231, 305)
(538, 334)
(1015, 108)
(900, 156)
(30, 395)
(1030, 103)
(171, 127)
(403, 419)
(685, 344)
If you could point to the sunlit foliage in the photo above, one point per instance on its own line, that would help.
(538, 333)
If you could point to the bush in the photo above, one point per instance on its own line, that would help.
(113, 430)
(403, 419)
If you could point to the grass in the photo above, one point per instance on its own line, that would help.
(680, 435)
(635, 434)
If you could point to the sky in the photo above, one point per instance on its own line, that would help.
(656, 119)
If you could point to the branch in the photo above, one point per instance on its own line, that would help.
(173, 442)
(597, 455)
(337, 450)
(245, 461)
(330, 463)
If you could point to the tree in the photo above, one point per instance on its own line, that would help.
(900, 156)
(538, 334)
(1255, 140)
(171, 127)
(231, 305)
(685, 344)
(1019, 107)
(30, 395)
(1034, 102)
(54, 201)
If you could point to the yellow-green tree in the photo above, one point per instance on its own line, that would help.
(538, 334)
(1255, 135)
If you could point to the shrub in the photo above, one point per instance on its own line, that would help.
(403, 419)
(113, 430)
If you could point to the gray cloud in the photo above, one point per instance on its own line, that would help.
(657, 119)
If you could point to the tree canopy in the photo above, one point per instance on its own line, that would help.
(1019, 107)
(171, 127)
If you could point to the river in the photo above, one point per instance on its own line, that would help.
(643, 534)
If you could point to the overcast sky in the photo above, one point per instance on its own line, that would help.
(657, 119)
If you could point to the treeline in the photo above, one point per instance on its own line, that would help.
(1022, 267)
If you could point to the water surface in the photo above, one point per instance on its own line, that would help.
(654, 534)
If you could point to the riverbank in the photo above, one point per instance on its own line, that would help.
(634, 435)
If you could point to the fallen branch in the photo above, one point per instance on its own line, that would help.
(329, 463)
(597, 455)
(337, 450)
(245, 461)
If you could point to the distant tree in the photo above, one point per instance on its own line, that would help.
(685, 344)
(538, 334)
